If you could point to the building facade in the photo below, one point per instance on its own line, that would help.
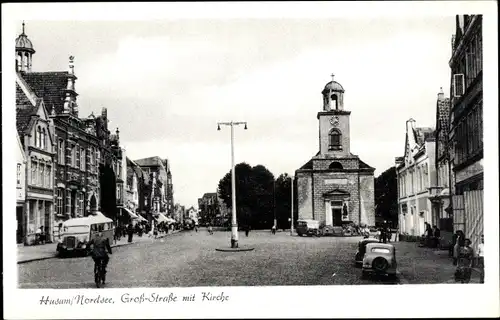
(440, 195)
(466, 126)
(134, 195)
(155, 194)
(335, 187)
(82, 145)
(21, 162)
(36, 134)
(209, 208)
(415, 173)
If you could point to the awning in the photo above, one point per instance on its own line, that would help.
(132, 215)
(161, 218)
(141, 218)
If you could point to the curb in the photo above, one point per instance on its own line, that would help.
(55, 255)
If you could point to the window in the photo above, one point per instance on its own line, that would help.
(82, 159)
(59, 201)
(118, 192)
(60, 151)
(335, 139)
(19, 174)
(73, 156)
(41, 180)
(92, 160)
(33, 172)
(78, 156)
(336, 166)
(458, 85)
(48, 175)
(44, 139)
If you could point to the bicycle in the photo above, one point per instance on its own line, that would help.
(99, 272)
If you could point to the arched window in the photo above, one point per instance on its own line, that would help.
(37, 137)
(336, 166)
(335, 102)
(44, 137)
(335, 139)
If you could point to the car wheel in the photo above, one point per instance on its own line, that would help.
(62, 253)
(364, 275)
(380, 264)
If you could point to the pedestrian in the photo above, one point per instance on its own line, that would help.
(273, 229)
(429, 235)
(480, 259)
(247, 230)
(437, 237)
(130, 232)
(383, 234)
(210, 231)
(464, 263)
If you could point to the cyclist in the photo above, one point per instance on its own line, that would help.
(100, 248)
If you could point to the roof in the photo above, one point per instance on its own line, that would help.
(209, 194)
(423, 134)
(363, 165)
(51, 86)
(23, 43)
(97, 218)
(334, 86)
(149, 162)
(23, 117)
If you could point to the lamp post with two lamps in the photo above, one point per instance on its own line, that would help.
(234, 222)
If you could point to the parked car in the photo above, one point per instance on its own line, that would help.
(379, 259)
(308, 227)
(360, 254)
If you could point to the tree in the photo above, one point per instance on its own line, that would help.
(254, 195)
(386, 196)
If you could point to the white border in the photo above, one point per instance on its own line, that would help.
(343, 301)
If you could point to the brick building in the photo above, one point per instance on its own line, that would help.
(415, 175)
(466, 126)
(335, 186)
(81, 145)
(208, 205)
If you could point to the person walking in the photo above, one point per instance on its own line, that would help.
(480, 259)
(247, 230)
(464, 263)
(210, 231)
(437, 237)
(130, 231)
(273, 229)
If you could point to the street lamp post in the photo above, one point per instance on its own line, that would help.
(291, 211)
(234, 222)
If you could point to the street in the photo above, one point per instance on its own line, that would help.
(189, 259)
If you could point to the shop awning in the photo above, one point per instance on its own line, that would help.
(160, 217)
(141, 218)
(132, 215)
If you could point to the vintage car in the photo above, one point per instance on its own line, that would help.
(308, 227)
(362, 249)
(78, 232)
(379, 259)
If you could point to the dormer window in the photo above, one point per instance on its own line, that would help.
(335, 139)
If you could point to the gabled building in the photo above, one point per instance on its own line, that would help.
(415, 175)
(82, 145)
(21, 162)
(36, 134)
(154, 168)
(440, 195)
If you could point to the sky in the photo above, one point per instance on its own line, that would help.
(166, 84)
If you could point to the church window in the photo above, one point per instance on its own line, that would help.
(336, 166)
(335, 139)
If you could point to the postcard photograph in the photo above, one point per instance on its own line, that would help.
(248, 152)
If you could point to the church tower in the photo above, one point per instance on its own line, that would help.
(334, 137)
(335, 187)
(24, 52)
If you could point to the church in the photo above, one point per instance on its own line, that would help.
(335, 187)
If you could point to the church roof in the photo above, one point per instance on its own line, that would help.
(363, 165)
(333, 86)
(50, 86)
(23, 43)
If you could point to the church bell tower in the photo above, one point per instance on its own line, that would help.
(334, 136)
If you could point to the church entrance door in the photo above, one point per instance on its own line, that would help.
(336, 213)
